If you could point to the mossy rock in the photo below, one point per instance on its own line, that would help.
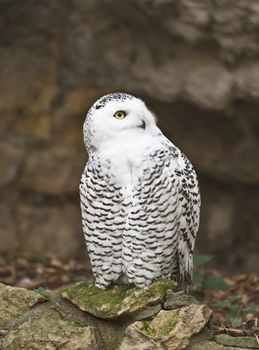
(46, 329)
(15, 302)
(211, 345)
(161, 326)
(172, 329)
(242, 342)
(168, 323)
(119, 300)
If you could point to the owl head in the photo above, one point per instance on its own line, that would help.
(116, 116)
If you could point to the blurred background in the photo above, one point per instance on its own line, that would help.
(194, 62)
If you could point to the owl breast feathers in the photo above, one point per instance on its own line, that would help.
(139, 197)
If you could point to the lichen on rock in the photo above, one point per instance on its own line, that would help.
(242, 342)
(15, 302)
(119, 300)
(211, 345)
(179, 299)
(46, 329)
(169, 329)
(84, 317)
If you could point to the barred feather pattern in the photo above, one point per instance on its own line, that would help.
(142, 229)
(104, 212)
(146, 233)
(150, 238)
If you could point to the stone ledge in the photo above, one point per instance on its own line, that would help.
(119, 301)
(70, 319)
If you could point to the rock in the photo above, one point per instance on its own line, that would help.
(220, 205)
(205, 334)
(34, 126)
(211, 345)
(134, 340)
(48, 329)
(179, 299)
(8, 228)
(11, 158)
(182, 64)
(84, 317)
(168, 330)
(247, 81)
(147, 312)
(15, 302)
(28, 78)
(71, 113)
(201, 80)
(118, 301)
(200, 91)
(218, 217)
(63, 162)
(55, 227)
(242, 342)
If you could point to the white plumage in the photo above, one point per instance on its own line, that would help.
(139, 197)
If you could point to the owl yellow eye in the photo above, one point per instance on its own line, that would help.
(119, 115)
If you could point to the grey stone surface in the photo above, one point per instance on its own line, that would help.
(194, 62)
(8, 227)
(28, 323)
(168, 67)
(170, 330)
(179, 299)
(120, 300)
(59, 224)
(211, 345)
(47, 329)
(29, 320)
(63, 161)
(242, 342)
(11, 159)
(16, 301)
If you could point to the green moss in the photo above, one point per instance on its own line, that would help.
(95, 300)
(162, 328)
(63, 320)
(146, 328)
(42, 291)
(46, 329)
(108, 341)
(166, 329)
(117, 300)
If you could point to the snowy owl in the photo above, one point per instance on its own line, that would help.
(139, 197)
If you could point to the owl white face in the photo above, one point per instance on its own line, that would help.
(115, 116)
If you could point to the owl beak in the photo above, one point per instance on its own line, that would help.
(142, 125)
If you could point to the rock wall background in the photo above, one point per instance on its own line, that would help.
(196, 65)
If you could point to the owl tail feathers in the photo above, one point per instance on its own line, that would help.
(185, 272)
(185, 281)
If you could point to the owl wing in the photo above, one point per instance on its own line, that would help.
(103, 219)
(151, 235)
(189, 204)
(163, 219)
(189, 220)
